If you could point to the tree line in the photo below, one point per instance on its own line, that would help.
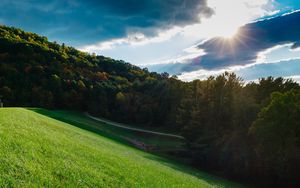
(245, 131)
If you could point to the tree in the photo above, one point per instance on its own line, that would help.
(277, 131)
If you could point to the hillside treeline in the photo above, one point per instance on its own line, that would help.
(243, 131)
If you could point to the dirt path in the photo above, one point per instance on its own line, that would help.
(131, 128)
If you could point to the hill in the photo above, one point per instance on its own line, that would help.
(36, 150)
(157, 143)
(37, 73)
(243, 131)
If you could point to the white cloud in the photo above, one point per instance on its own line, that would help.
(187, 55)
(136, 39)
(262, 57)
(203, 73)
(292, 12)
(278, 53)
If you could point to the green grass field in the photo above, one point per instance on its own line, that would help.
(39, 151)
(161, 143)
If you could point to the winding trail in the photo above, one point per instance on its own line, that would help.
(131, 128)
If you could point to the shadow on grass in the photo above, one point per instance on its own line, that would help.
(209, 178)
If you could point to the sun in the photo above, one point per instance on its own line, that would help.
(226, 22)
(229, 33)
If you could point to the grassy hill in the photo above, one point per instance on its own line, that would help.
(157, 143)
(36, 150)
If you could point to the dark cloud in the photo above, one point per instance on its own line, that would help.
(161, 13)
(252, 39)
(84, 21)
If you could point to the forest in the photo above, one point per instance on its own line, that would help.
(244, 131)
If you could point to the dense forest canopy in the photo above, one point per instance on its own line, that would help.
(244, 131)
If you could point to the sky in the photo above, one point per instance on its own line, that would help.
(192, 39)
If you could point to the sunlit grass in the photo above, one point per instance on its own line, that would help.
(36, 150)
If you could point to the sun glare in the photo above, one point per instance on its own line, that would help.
(229, 33)
(226, 23)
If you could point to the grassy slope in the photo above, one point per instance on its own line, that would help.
(84, 122)
(37, 150)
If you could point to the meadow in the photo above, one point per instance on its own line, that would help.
(39, 151)
(160, 144)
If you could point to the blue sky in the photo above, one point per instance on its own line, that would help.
(190, 38)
